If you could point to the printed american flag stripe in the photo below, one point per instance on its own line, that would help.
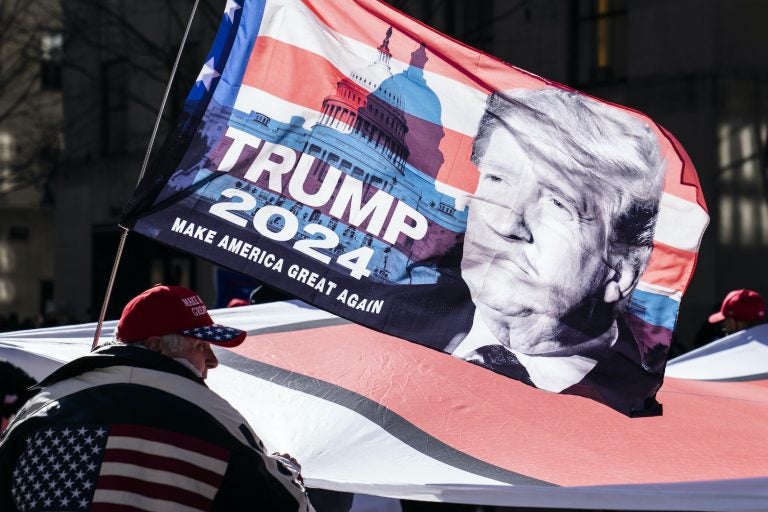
(163, 464)
(116, 468)
(122, 501)
(155, 469)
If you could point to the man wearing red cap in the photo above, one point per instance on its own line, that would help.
(741, 309)
(132, 426)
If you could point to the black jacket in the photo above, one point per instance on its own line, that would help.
(127, 426)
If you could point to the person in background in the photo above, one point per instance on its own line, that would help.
(133, 425)
(741, 309)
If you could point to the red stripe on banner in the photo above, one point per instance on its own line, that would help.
(152, 490)
(483, 414)
(163, 463)
(367, 22)
(172, 438)
(669, 267)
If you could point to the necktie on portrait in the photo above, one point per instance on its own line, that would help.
(500, 360)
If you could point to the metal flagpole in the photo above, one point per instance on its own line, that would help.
(144, 164)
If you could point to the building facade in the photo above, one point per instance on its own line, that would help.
(30, 149)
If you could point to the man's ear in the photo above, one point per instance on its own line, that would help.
(622, 282)
(153, 343)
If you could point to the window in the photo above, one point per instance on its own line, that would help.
(50, 62)
(600, 42)
(6, 155)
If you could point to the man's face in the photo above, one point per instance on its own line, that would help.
(536, 244)
(199, 353)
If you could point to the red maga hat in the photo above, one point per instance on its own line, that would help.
(745, 305)
(173, 310)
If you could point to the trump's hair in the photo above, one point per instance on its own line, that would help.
(606, 148)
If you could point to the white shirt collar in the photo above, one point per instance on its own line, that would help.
(552, 373)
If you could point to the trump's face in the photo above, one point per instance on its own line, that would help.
(535, 249)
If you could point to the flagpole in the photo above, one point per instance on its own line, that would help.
(144, 164)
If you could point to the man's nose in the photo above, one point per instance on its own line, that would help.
(513, 224)
(211, 361)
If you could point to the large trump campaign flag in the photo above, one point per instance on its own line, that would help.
(369, 165)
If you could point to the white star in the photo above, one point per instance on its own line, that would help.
(100, 432)
(207, 74)
(230, 9)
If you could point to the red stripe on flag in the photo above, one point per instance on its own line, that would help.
(669, 267)
(293, 66)
(163, 463)
(688, 185)
(172, 438)
(152, 490)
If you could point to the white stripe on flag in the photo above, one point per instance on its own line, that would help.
(681, 223)
(158, 476)
(166, 450)
(676, 295)
(137, 501)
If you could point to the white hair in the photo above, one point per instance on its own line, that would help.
(603, 146)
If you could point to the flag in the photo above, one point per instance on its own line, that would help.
(357, 159)
(106, 467)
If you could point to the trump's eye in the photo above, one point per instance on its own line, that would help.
(493, 178)
(559, 208)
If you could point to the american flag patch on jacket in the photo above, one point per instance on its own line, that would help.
(116, 467)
